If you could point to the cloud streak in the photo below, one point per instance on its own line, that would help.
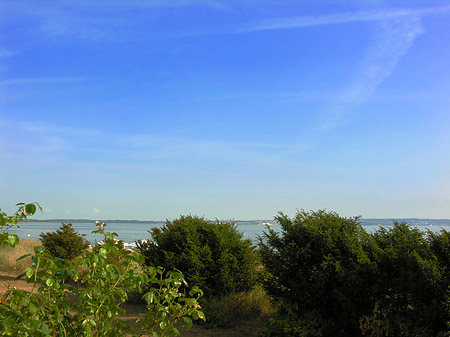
(43, 80)
(395, 32)
(4, 52)
(340, 18)
(392, 39)
(45, 145)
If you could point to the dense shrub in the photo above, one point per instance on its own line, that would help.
(318, 265)
(65, 243)
(410, 287)
(211, 254)
(334, 279)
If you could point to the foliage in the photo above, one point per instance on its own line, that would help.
(319, 265)
(410, 286)
(109, 241)
(9, 221)
(65, 243)
(334, 279)
(91, 305)
(212, 255)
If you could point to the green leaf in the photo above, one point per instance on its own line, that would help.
(38, 205)
(30, 209)
(13, 240)
(23, 257)
(45, 329)
(186, 322)
(172, 331)
(29, 272)
(149, 297)
(8, 323)
(20, 276)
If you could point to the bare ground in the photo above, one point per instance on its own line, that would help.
(248, 328)
(8, 278)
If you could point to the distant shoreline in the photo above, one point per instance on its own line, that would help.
(364, 221)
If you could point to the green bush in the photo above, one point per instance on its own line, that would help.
(411, 283)
(212, 255)
(334, 279)
(318, 265)
(65, 243)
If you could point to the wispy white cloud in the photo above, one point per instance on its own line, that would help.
(127, 4)
(50, 147)
(40, 144)
(4, 52)
(394, 33)
(395, 30)
(392, 39)
(96, 211)
(44, 80)
(93, 20)
(339, 18)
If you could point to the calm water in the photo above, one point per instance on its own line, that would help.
(132, 231)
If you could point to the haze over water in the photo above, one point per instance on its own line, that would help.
(131, 231)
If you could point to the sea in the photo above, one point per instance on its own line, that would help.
(130, 231)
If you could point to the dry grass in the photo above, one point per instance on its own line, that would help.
(235, 309)
(9, 255)
(247, 328)
(236, 315)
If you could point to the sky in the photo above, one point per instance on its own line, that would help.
(234, 109)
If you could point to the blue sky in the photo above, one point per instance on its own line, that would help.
(226, 109)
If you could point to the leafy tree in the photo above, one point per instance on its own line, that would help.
(65, 243)
(212, 255)
(319, 269)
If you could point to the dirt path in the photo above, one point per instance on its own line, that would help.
(247, 329)
(9, 278)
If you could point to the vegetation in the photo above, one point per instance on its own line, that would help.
(9, 221)
(410, 289)
(65, 243)
(212, 255)
(324, 274)
(318, 269)
(235, 308)
(333, 279)
(91, 305)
